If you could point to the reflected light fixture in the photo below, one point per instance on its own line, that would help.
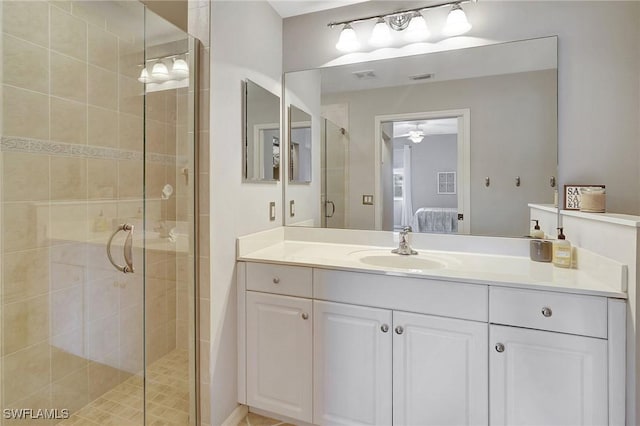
(416, 136)
(381, 35)
(144, 76)
(348, 41)
(417, 29)
(159, 71)
(410, 21)
(180, 69)
(457, 23)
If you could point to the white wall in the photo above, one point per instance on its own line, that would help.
(599, 64)
(246, 42)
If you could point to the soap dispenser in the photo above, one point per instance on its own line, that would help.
(561, 251)
(536, 232)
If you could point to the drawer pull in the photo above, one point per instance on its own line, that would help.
(305, 316)
(276, 280)
(399, 330)
(384, 328)
(547, 312)
(499, 347)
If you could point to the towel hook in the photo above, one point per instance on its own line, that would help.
(487, 181)
(518, 181)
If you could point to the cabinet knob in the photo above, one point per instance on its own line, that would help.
(305, 316)
(499, 347)
(276, 280)
(547, 312)
(384, 328)
(399, 330)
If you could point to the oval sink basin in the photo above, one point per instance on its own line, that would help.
(386, 259)
(402, 262)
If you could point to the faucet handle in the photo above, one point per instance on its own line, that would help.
(406, 229)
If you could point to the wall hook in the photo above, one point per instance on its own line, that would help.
(518, 181)
(487, 181)
(552, 181)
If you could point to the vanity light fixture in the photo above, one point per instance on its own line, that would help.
(144, 76)
(457, 22)
(180, 69)
(159, 71)
(417, 29)
(410, 20)
(416, 136)
(348, 41)
(381, 35)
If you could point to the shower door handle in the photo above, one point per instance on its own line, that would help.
(333, 209)
(128, 249)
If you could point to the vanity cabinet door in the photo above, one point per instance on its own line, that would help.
(440, 371)
(279, 354)
(352, 365)
(546, 378)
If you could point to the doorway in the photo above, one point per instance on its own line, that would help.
(422, 172)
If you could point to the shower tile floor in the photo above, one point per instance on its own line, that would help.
(167, 398)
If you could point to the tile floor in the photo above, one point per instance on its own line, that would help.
(167, 398)
(253, 419)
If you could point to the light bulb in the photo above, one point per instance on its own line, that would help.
(381, 35)
(417, 29)
(144, 76)
(180, 69)
(348, 41)
(457, 22)
(160, 71)
(416, 136)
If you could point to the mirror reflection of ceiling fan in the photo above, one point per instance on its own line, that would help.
(416, 130)
(414, 135)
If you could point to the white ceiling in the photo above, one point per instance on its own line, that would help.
(443, 126)
(288, 8)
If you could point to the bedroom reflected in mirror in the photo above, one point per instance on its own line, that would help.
(261, 142)
(299, 145)
(424, 171)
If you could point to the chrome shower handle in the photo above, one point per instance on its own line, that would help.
(128, 252)
(333, 208)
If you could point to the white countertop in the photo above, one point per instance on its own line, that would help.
(511, 271)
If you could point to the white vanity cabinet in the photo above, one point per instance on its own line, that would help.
(279, 354)
(546, 378)
(439, 371)
(352, 365)
(333, 347)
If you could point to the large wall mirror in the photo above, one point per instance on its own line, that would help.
(261, 142)
(456, 142)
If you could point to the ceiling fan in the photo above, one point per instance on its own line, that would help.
(414, 135)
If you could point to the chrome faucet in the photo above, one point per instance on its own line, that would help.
(404, 248)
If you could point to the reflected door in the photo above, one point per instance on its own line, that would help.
(334, 177)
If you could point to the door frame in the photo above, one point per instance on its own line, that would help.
(464, 160)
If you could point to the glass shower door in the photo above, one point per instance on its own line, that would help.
(82, 327)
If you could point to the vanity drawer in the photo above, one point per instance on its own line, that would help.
(279, 279)
(419, 295)
(565, 313)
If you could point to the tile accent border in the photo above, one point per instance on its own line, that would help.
(37, 146)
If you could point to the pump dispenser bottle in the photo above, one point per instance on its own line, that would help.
(561, 251)
(536, 232)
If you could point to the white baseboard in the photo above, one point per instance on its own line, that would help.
(236, 416)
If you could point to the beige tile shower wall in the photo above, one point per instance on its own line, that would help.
(199, 26)
(71, 325)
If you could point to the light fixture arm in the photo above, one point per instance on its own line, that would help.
(399, 13)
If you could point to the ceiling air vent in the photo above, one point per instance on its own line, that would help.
(364, 75)
(418, 77)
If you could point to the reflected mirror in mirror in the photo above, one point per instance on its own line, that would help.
(261, 159)
(410, 141)
(299, 145)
